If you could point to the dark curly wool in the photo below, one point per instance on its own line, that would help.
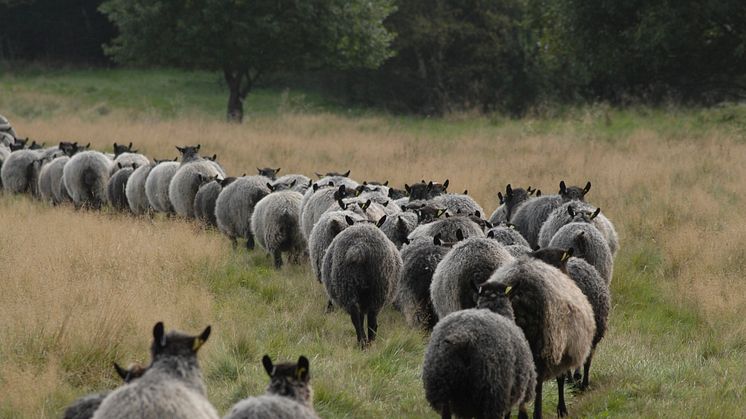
(588, 243)
(419, 258)
(447, 228)
(507, 236)
(116, 188)
(578, 211)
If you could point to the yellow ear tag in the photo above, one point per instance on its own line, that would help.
(197, 344)
(565, 256)
(508, 289)
(299, 372)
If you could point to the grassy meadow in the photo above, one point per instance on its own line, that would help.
(83, 289)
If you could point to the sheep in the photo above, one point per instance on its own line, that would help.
(6, 139)
(172, 387)
(235, 206)
(20, 171)
(425, 191)
(157, 184)
(373, 211)
(49, 179)
(276, 225)
(302, 182)
(419, 261)
(135, 190)
(360, 271)
(116, 188)
(507, 235)
(530, 216)
(207, 195)
(86, 176)
(457, 277)
(318, 203)
(6, 127)
(555, 317)
(589, 244)
(289, 395)
(126, 156)
(510, 202)
(323, 233)
(186, 181)
(85, 407)
(398, 194)
(578, 211)
(478, 363)
(458, 203)
(4, 154)
(447, 228)
(587, 278)
(398, 227)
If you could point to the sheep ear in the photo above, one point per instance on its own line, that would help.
(538, 193)
(406, 241)
(277, 170)
(293, 182)
(430, 185)
(567, 255)
(198, 146)
(310, 182)
(587, 188)
(259, 171)
(595, 213)
(342, 204)
(87, 146)
(267, 362)
(508, 191)
(130, 146)
(445, 185)
(478, 214)
(386, 183)
(159, 335)
(436, 240)
(563, 188)
(347, 173)
(181, 150)
(315, 187)
(271, 188)
(466, 192)
(366, 205)
(349, 220)
(301, 371)
(406, 188)
(459, 235)
(119, 165)
(121, 372)
(500, 197)
(570, 211)
(381, 221)
(491, 234)
(201, 339)
(134, 166)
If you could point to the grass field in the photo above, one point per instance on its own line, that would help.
(80, 290)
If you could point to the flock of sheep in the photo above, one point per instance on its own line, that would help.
(512, 301)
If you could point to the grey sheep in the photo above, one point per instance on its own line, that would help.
(50, 178)
(289, 395)
(318, 203)
(135, 190)
(507, 235)
(373, 211)
(447, 228)
(85, 407)
(324, 231)
(457, 277)
(86, 176)
(530, 216)
(206, 197)
(130, 159)
(172, 387)
(186, 182)
(420, 258)
(4, 154)
(157, 183)
(425, 191)
(116, 188)
(588, 244)
(458, 203)
(478, 363)
(398, 227)
(235, 206)
(510, 202)
(276, 226)
(587, 278)
(20, 171)
(302, 182)
(577, 211)
(360, 271)
(555, 317)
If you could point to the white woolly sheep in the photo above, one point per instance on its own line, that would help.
(86, 176)
(276, 226)
(157, 183)
(235, 206)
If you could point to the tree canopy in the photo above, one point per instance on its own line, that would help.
(248, 38)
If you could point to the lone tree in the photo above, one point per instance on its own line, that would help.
(248, 38)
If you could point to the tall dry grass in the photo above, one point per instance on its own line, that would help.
(82, 287)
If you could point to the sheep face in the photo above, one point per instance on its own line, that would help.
(188, 152)
(573, 192)
(397, 193)
(268, 172)
(289, 379)
(121, 148)
(494, 296)
(554, 256)
(176, 343)
(582, 216)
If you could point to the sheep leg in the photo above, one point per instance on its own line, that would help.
(372, 325)
(329, 307)
(278, 259)
(561, 407)
(576, 377)
(250, 242)
(234, 243)
(537, 399)
(357, 321)
(445, 413)
(586, 371)
(522, 411)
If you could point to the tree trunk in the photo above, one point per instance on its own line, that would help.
(235, 100)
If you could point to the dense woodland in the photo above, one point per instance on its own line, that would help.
(413, 56)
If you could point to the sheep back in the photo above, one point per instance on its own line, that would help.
(135, 190)
(186, 182)
(204, 202)
(324, 231)
(270, 406)
(420, 258)
(588, 244)
(447, 228)
(235, 205)
(157, 184)
(116, 188)
(529, 217)
(86, 177)
(276, 225)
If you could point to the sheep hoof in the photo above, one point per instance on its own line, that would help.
(329, 307)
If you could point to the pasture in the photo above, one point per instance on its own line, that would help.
(83, 289)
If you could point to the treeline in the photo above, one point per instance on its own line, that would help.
(450, 55)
